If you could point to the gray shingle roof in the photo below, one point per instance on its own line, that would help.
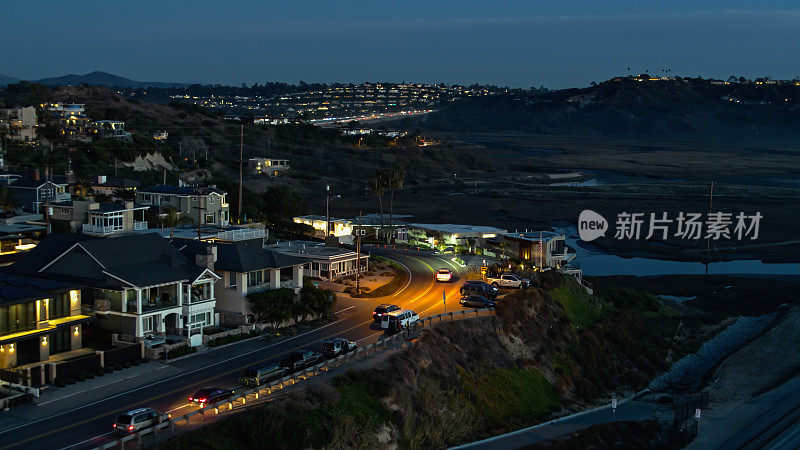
(240, 256)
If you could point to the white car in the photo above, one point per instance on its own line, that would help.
(444, 274)
(397, 320)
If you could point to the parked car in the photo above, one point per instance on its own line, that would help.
(258, 375)
(479, 288)
(301, 359)
(383, 309)
(151, 340)
(139, 419)
(509, 280)
(476, 301)
(449, 250)
(209, 395)
(332, 348)
(397, 320)
(444, 275)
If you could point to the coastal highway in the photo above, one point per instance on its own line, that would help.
(84, 420)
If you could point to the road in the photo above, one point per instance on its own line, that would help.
(84, 421)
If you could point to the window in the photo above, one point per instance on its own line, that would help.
(59, 306)
(148, 324)
(202, 318)
(232, 280)
(255, 278)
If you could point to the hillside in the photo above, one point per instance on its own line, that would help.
(468, 379)
(692, 110)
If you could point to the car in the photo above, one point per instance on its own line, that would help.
(332, 348)
(476, 301)
(301, 359)
(509, 280)
(209, 395)
(444, 275)
(397, 320)
(383, 309)
(153, 341)
(258, 375)
(448, 250)
(481, 288)
(138, 419)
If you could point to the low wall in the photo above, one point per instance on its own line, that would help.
(242, 329)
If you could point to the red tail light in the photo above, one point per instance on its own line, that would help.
(191, 399)
(202, 400)
(130, 428)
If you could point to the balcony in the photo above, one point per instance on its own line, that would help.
(139, 226)
(242, 234)
(96, 230)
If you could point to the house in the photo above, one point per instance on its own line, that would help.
(244, 268)
(338, 227)
(71, 119)
(205, 205)
(541, 248)
(268, 166)
(111, 129)
(100, 219)
(21, 123)
(39, 319)
(369, 226)
(448, 234)
(325, 263)
(111, 186)
(33, 192)
(138, 284)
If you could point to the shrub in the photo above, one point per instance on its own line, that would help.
(181, 351)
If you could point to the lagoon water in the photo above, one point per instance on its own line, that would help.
(595, 262)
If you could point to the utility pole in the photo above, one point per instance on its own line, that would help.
(47, 213)
(358, 255)
(241, 151)
(199, 216)
(327, 210)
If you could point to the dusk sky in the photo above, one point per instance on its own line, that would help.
(519, 44)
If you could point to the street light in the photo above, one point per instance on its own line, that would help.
(328, 208)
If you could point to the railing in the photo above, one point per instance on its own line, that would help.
(241, 234)
(139, 226)
(399, 340)
(96, 229)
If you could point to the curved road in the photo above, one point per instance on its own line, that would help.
(84, 420)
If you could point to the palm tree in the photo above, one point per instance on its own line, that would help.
(174, 218)
(395, 177)
(377, 185)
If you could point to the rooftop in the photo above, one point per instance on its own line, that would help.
(239, 257)
(532, 235)
(452, 228)
(310, 249)
(182, 190)
(18, 288)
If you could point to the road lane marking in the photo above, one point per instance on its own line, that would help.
(343, 310)
(166, 393)
(408, 271)
(373, 334)
(169, 379)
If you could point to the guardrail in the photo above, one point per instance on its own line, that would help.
(399, 340)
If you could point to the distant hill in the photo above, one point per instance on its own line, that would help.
(5, 79)
(691, 110)
(98, 78)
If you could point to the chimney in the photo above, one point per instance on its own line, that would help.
(101, 179)
(128, 205)
(36, 174)
(206, 257)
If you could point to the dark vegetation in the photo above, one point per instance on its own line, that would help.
(618, 436)
(276, 306)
